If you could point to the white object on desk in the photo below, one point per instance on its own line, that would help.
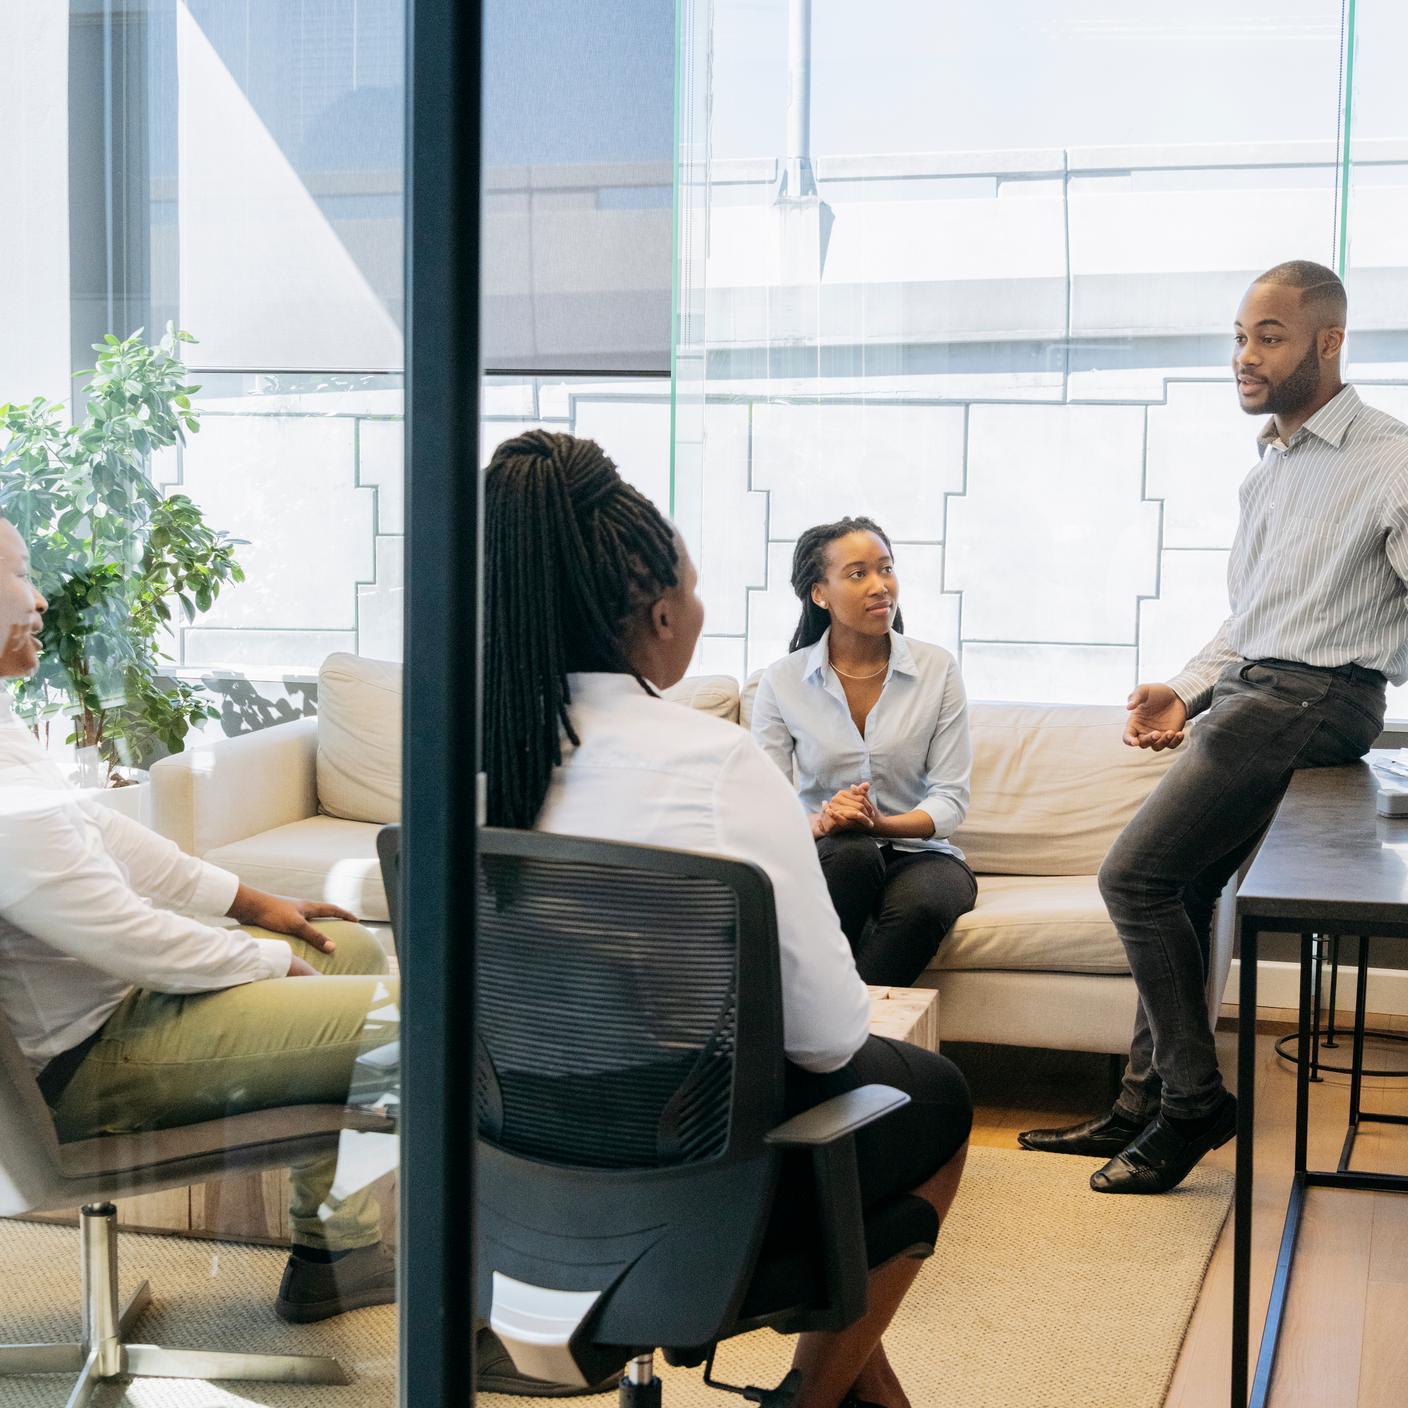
(1390, 768)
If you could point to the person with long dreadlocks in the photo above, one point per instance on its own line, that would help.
(876, 725)
(590, 610)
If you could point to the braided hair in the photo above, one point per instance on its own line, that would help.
(571, 554)
(809, 568)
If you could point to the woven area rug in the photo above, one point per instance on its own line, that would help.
(1042, 1294)
(206, 1295)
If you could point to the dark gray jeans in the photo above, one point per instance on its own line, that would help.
(1163, 875)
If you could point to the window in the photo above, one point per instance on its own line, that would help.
(234, 167)
(972, 271)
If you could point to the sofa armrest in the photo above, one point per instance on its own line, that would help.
(228, 789)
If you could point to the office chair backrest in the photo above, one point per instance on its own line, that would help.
(609, 1001)
(630, 1036)
(388, 850)
(29, 1150)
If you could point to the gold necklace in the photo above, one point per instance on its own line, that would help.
(850, 676)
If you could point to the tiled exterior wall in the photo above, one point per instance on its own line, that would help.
(1062, 551)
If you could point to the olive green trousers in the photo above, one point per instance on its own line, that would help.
(165, 1060)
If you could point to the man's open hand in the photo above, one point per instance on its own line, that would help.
(285, 916)
(1156, 718)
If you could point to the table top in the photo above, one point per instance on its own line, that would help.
(1329, 855)
(906, 1014)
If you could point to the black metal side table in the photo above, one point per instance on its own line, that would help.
(1328, 866)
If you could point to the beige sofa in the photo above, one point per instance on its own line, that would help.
(296, 808)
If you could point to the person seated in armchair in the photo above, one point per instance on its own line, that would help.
(135, 1015)
(877, 724)
(590, 610)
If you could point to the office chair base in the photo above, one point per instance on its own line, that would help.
(783, 1396)
(639, 1386)
(104, 1353)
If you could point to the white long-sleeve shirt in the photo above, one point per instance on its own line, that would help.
(1319, 562)
(93, 904)
(916, 753)
(661, 774)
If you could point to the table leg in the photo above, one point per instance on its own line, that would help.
(1317, 947)
(1330, 1041)
(1242, 1200)
(1290, 1229)
(1309, 959)
(1356, 1064)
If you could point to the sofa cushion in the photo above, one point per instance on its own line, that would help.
(1046, 923)
(712, 694)
(320, 858)
(1053, 786)
(359, 738)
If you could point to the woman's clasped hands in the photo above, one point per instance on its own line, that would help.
(851, 809)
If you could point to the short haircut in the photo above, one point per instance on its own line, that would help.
(1320, 289)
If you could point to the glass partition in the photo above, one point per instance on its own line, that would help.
(972, 271)
(210, 518)
(1373, 177)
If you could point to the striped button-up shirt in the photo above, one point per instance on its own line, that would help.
(1320, 558)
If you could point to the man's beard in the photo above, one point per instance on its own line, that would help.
(1286, 397)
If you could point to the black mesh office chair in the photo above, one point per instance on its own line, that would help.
(630, 1100)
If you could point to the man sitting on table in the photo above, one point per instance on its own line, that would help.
(1293, 678)
(135, 1016)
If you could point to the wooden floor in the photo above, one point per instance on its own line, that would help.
(1345, 1340)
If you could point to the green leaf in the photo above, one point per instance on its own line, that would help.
(109, 552)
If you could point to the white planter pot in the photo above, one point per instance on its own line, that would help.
(134, 801)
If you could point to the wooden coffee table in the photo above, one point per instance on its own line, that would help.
(906, 1014)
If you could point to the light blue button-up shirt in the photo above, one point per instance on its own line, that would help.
(915, 752)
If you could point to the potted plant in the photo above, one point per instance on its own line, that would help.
(113, 555)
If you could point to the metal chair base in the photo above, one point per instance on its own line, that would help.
(103, 1353)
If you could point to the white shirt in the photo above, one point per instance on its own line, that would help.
(662, 774)
(1319, 561)
(915, 753)
(86, 908)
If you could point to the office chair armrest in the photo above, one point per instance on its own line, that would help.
(828, 1130)
(835, 1118)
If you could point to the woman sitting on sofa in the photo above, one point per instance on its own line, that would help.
(590, 610)
(877, 725)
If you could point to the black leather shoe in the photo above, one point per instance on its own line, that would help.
(1161, 1158)
(1101, 1137)
(317, 1290)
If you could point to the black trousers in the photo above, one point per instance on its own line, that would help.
(1164, 873)
(894, 906)
(893, 1155)
(909, 1146)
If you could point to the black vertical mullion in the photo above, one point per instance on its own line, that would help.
(440, 748)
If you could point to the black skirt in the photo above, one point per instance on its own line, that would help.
(893, 1155)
